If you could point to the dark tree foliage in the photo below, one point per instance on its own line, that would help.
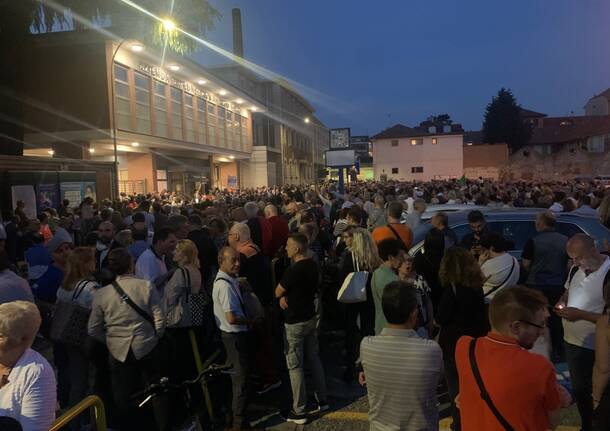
(503, 123)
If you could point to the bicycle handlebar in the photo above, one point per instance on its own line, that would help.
(164, 384)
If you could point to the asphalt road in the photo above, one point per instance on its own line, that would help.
(349, 404)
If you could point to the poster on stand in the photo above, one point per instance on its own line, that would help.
(73, 191)
(47, 196)
(232, 181)
(28, 196)
(89, 190)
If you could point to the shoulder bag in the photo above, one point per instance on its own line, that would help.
(497, 286)
(398, 237)
(484, 394)
(353, 289)
(69, 324)
(189, 310)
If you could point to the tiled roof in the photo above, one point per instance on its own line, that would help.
(402, 131)
(528, 113)
(557, 130)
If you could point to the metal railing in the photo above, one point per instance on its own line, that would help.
(90, 402)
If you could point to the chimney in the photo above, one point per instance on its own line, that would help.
(238, 41)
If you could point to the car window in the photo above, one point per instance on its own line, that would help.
(461, 231)
(567, 229)
(516, 232)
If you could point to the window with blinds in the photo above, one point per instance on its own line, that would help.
(201, 119)
(212, 123)
(189, 118)
(176, 103)
(220, 131)
(142, 103)
(161, 123)
(122, 107)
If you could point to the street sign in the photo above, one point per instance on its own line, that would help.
(340, 158)
(339, 139)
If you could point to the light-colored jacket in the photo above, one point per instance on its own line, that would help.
(114, 322)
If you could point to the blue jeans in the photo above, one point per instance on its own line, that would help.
(300, 346)
(580, 363)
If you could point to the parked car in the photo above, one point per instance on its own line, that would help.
(517, 226)
(449, 208)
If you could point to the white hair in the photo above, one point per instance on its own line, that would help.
(251, 209)
(242, 230)
(19, 321)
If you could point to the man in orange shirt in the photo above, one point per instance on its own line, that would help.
(394, 229)
(521, 386)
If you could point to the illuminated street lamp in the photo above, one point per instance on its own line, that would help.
(168, 24)
(306, 120)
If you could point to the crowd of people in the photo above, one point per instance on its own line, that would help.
(106, 298)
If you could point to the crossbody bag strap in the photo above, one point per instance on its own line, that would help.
(497, 286)
(125, 297)
(241, 302)
(398, 237)
(186, 276)
(484, 394)
(78, 289)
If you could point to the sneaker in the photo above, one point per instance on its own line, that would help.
(323, 407)
(291, 416)
(268, 387)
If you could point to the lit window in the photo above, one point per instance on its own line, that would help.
(434, 141)
(419, 141)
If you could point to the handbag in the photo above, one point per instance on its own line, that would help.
(484, 394)
(353, 289)
(190, 309)
(70, 319)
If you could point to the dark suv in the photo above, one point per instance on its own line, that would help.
(517, 226)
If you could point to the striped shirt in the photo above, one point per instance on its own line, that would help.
(402, 372)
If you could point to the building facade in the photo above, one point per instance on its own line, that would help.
(418, 153)
(164, 124)
(599, 104)
(288, 140)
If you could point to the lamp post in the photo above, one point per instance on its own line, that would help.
(114, 128)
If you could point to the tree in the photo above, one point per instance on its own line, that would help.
(503, 124)
(20, 18)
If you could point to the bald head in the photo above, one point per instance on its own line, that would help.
(582, 250)
(270, 211)
(292, 208)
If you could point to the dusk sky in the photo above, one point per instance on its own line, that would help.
(371, 64)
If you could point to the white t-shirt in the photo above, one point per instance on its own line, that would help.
(30, 395)
(500, 272)
(227, 297)
(149, 266)
(586, 293)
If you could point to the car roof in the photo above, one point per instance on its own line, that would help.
(491, 214)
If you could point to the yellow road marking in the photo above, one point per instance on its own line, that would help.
(444, 423)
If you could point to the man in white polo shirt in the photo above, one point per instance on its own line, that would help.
(580, 307)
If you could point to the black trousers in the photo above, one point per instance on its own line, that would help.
(130, 377)
(580, 363)
(353, 334)
(453, 387)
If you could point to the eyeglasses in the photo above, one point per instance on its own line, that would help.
(533, 324)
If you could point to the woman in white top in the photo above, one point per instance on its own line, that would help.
(499, 268)
(78, 286)
(27, 381)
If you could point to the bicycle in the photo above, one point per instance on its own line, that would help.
(193, 421)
